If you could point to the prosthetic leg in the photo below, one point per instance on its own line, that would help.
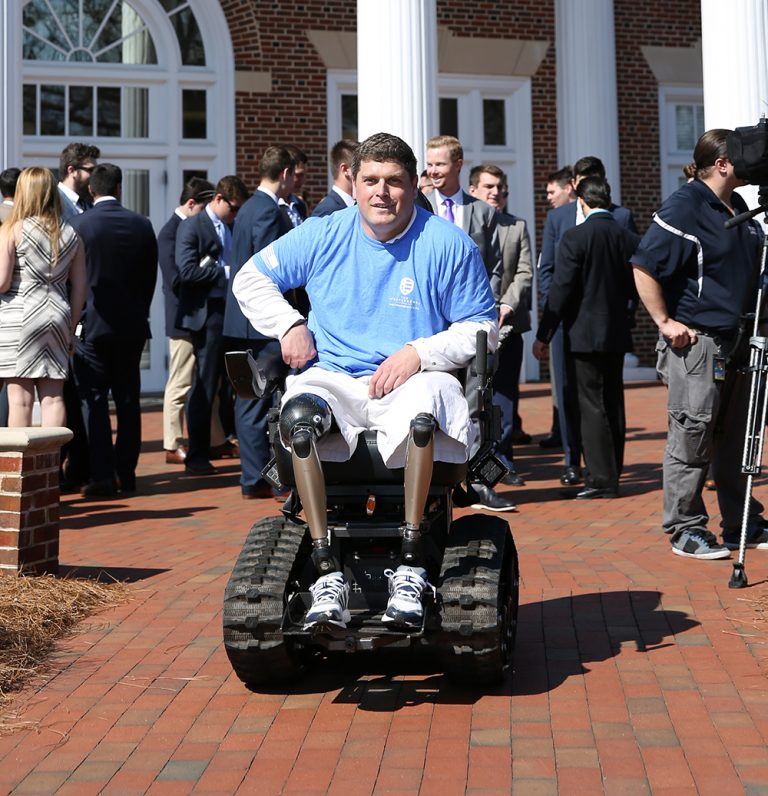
(304, 420)
(407, 583)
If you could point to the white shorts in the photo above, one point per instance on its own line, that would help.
(436, 393)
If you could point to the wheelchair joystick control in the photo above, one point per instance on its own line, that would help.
(419, 463)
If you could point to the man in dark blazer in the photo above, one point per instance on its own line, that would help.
(181, 361)
(340, 195)
(558, 222)
(121, 265)
(445, 157)
(204, 259)
(591, 294)
(258, 224)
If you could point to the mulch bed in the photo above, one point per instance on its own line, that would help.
(35, 612)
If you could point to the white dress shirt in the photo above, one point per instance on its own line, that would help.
(345, 197)
(458, 206)
(72, 196)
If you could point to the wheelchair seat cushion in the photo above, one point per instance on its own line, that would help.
(366, 467)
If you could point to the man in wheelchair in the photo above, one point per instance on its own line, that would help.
(398, 296)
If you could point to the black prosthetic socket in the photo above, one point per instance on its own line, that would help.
(410, 551)
(322, 558)
(423, 428)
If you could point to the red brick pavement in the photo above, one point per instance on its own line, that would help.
(636, 671)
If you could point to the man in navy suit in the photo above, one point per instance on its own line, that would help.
(194, 196)
(258, 224)
(204, 257)
(340, 195)
(558, 222)
(121, 265)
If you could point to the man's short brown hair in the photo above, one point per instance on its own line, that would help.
(486, 168)
(274, 161)
(233, 188)
(562, 176)
(383, 147)
(76, 154)
(455, 150)
(342, 152)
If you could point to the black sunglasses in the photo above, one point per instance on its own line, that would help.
(89, 169)
(233, 208)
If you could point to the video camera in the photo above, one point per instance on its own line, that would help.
(748, 151)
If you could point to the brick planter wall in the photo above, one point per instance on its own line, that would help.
(29, 498)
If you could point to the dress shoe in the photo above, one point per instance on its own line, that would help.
(258, 492)
(486, 498)
(519, 437)
(105, 488)
(126, 484)
(199, 467)
(513, 478)
(227, 450)
(571, 476)
(176, 456)
(551, 442)
(596, 493)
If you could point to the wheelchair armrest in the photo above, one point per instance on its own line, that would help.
(255, 377)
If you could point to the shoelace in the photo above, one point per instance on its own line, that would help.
(408, 584)
(327, 589)
(707, 536)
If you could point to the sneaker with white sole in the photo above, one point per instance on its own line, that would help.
(698, 543)
(758, 540)
(406, 585)
(330, 600)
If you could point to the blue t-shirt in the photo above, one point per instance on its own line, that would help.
(706, 272)
(369, 298)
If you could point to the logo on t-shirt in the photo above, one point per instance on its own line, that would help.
(406, 285)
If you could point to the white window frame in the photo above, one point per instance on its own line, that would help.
(672, 160)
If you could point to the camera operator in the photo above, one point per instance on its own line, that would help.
(696, 280)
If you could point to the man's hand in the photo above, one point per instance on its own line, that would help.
(540, 350)
(298, 346)
(394, 371)
(678, 334)
(504, 312)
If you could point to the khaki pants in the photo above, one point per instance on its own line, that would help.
(181, 366)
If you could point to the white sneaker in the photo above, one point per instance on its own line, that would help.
(330, 598)
(406, 585)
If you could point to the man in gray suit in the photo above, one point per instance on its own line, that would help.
(445, 157)
(488, 183)
(76, 163)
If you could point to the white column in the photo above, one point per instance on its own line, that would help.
(10, 83)
(587, 109)
(735, 66)
(397, 70)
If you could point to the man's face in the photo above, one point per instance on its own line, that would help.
(385, 195)
(298, 178)
(443, 171)
(225, 209)
(80, 175)
(489, 189)
(559, 195)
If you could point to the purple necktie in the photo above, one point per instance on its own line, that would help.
(448, 213)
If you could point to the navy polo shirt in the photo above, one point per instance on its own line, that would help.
(706, 272)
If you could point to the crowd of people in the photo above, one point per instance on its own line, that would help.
(78, 272)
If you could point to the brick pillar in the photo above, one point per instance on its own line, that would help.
(29, 498)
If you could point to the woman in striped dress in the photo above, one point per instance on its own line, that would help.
(42, 293)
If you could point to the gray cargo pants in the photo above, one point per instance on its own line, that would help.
(707, 422)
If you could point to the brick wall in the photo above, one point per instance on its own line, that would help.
(645, 23)
(29, 499)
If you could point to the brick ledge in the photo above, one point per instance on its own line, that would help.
(33, 438)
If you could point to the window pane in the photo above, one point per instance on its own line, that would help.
(30, 110)
(349, 116)
(190, 40)
(135, 112)
(108, 104)
(699, 121)
(449, 116)
(193, 113)
(36, 50)
(51, 110)
(685, 138)
(124, 40)
(37, 18)
(188, 174)
(136, 190)
(81, 110)
(94, 12)
(494, 123)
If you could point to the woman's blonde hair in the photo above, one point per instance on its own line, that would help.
(37, 196)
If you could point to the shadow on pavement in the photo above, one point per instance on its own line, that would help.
(109, 574)
(556, 639)
(121, 514)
